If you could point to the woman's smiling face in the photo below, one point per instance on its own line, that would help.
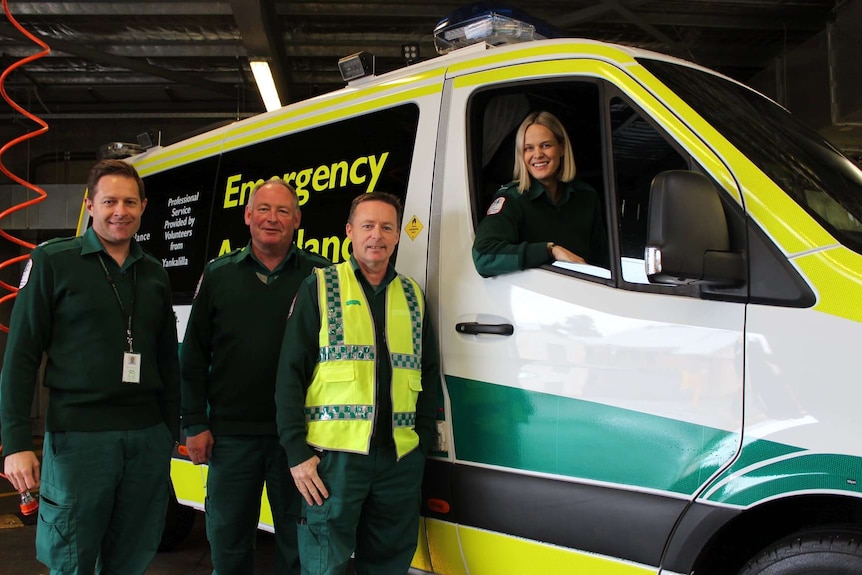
(542, 153)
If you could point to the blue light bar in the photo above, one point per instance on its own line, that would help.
(494, 24)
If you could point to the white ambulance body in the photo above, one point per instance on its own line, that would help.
(682, 411)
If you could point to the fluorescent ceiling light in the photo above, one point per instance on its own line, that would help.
(265, 84)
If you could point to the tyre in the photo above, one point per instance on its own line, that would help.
(810, 553)
(179, 521)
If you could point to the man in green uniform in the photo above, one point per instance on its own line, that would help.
(356, 400)
(100, 309)
(229, 359)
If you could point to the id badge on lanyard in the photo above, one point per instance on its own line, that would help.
(131, 360)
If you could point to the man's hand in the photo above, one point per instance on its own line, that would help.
(200, 447)
(22, 469)
(561, 254)
(308, 482)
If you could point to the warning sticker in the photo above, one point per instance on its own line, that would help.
(413, 227)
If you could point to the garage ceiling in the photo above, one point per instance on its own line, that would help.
(170, 58)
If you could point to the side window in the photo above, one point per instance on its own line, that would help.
(494, 118)
(639, 153)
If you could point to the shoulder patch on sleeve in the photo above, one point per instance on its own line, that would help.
(496, 206)
(198, 287)
(25, 277)
(292, 305)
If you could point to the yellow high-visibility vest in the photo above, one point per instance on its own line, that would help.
(340, 402)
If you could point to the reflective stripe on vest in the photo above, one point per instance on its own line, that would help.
(340, 402)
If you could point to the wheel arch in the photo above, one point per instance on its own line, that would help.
(748, 532)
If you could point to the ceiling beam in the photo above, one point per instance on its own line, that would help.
(47, 8)
(593, 13)
(262, 37)
(75, 49)
(623, 11)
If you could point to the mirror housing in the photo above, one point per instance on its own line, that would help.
(687, 233)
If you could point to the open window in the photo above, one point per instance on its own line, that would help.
(494, 117)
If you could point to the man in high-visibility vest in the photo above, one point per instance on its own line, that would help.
(356, 398)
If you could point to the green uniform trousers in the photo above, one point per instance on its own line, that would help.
(103, 500)
(372, 511)
(238, 468)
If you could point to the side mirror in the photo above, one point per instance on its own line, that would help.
(687, 233)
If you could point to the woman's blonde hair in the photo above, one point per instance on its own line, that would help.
(550, 121)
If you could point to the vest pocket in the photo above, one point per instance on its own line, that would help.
(415, 383)
(56, 540)
(338, 385)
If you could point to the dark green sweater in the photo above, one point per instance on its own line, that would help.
(515, 232)
(231, 345)
(68, 309)
(298, 359)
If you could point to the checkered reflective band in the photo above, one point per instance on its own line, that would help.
(415, 317)
(404, 418)
(406, 361)
(339, 412)
(333, 307)
(340, 352)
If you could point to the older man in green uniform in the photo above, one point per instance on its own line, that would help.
(356, 399)
(100, 309)
(229, 359)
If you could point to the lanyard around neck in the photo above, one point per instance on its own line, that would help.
(127, 317)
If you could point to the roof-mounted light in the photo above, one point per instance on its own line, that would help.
(118, 151)
(493, 25)
(356, 66)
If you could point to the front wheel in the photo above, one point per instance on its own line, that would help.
(810, 553)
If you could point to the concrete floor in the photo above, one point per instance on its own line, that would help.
(18, 553)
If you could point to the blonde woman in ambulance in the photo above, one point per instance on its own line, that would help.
(545, 214)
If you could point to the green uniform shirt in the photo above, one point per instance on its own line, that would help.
(298, 358)
(230, 350)
(67, 309)
(515, 232)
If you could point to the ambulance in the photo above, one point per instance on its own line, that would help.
(694, 408)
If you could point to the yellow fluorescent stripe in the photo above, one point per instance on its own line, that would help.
(621, 79)
(788, 225)
(190, 485)
(421, 559)
(246, 136)
(171, 157)
(445, 551)
(268, 126)
(836, 275)
(317, 111)
(531, 51)
(189, 480)
(490, 553)
(265, 509)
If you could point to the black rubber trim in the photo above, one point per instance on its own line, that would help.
(625, 524)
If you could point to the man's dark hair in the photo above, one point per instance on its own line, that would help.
(379, 197)
(113, 168)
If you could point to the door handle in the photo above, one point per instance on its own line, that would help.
(474, 328)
